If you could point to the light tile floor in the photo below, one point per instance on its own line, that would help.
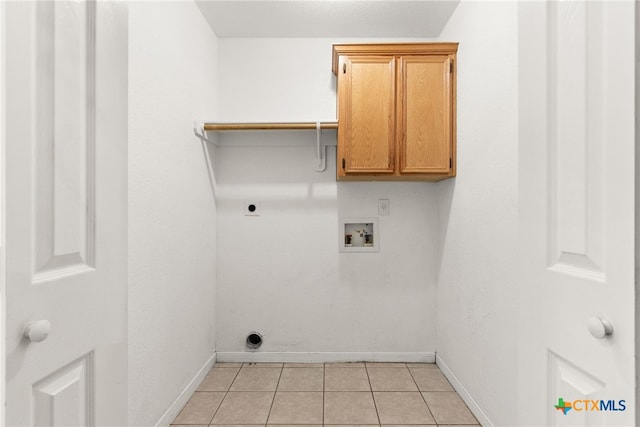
(317, 394)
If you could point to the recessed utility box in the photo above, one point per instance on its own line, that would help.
(359, 235)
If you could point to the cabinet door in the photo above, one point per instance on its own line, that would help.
(425, 114)
(366, 137)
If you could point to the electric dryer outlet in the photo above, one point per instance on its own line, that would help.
(251, 208)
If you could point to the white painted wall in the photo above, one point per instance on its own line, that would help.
(2, 214)
(281, 273)
(637, 216)
(172, 213)
(477, 279)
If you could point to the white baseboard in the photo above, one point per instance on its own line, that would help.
(324, 357)
(464, 394)
(182, 399)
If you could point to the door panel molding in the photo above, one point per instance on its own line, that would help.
(576, 140)
(567, 379)
(66, 397)
(64, 146)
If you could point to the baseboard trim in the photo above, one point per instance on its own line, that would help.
(182, 399)
(324, 357)
(464, 394)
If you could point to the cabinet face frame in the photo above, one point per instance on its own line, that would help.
(403, 53)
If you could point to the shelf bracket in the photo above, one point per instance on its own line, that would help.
(321, 155)
(198, 130)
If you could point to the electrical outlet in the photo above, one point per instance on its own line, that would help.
(251, 208)
(383, 207)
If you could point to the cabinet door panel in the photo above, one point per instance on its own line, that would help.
(425, 114)
(367, 115)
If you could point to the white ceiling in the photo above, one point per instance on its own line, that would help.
(327, 18)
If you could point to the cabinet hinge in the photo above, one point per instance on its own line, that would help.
(451, 67)
(344, 68)
(343, 163)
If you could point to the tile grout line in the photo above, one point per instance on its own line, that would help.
(225, 394)
(373, 396)
(324, 373)
(274, 395)
(422, 396)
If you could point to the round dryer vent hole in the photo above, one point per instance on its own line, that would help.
(254, 340)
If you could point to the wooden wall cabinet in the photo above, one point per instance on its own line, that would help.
(396, 111)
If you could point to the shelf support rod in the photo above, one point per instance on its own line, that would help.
(322, 159)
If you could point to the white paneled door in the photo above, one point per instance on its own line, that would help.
(577, 153)
(66, 213)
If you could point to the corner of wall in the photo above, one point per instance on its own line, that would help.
(464, 394)
(172, 207)
(477, 215)
(2, 212)
(183, 397)
(637, 206)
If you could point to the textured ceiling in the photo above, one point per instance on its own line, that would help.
(327, 18)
